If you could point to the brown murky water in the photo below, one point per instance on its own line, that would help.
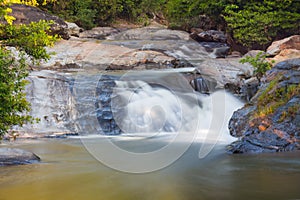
(68, 171)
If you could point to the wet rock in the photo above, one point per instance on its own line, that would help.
(52, 102)
(292, 42)
(103, 104)
(26, 14)
(270, 123)
(204, 86)
(14, 156)
(99, 33)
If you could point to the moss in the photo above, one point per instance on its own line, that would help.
(274, 97)
(290, 113)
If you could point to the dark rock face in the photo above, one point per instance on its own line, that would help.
(103, 105)
(249, 88)
(204, 86)
(13, 156)
(27, 14)
(209, 36)
(271, 122)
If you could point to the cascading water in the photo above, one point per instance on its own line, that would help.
(157, 115)
(146, 102)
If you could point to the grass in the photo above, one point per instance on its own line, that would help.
(274, 97)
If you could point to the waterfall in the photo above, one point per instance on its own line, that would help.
(146, 102)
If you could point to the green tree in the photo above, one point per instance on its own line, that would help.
(29, 42)
(260, 22)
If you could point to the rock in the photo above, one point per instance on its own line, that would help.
(209, 36)
(73, 29)
(292, 42)
(14, 156)
(52, 101)
(270, 123)
(220, 52)
(94, 55)
(26, 14)
(253, 53)
(225, 71)
(285, 54)
(150, 33)
(105, 116)
(204, 86)
(99, 33)
(234, 54)
(138, 59)
(249, 88)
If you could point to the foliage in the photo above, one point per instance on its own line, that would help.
(30, 41)
(261, 66)
(259, 22)
(275, 96)
(251, 22)
(13, 102)
(30, 38)
(184, 13)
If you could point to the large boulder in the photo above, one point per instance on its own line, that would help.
(26, 14)
(100, 56)
(284, 49)
(14, 156)
(285, 54)
(270, 123)
(228, 73)
(292, 42)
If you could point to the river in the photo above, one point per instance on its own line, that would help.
(69, 171)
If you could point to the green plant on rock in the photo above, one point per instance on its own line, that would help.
(30, 38)
(261, 66)
(275, 96)
(12, 84)
(29, 41)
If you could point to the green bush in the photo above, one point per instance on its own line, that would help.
(12, 97)
(261, 66)
(252, 23)
(260, 22)
(30, 41)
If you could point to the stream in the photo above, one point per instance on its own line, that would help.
(68, 172)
